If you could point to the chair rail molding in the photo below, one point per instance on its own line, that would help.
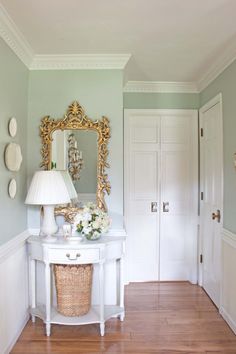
(12, 245)
(229, 237)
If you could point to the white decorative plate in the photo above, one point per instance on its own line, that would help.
(13, 157)
(12, 188)
(12, 127)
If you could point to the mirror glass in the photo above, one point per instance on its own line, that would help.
(77, 152)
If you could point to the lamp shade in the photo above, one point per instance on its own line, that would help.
(69, 184)
(47, 188)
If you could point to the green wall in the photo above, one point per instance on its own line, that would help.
(226, 84)
(13, 102)
(100, 92)
(161, 100)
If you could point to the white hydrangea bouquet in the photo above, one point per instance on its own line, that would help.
(92, 222)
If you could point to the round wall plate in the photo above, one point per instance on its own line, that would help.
(12, 188)
(13, 157)
(12, 127)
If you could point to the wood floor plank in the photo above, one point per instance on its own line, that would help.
(168, 317)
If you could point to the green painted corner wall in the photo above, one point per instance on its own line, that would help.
(161, 100)
(100, 92)
(13, 102)
(226, 84)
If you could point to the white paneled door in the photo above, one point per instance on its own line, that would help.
(212, 195)
(161, 185)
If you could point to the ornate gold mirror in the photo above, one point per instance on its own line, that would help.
(80, 145)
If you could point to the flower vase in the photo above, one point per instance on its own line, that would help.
(93, 236)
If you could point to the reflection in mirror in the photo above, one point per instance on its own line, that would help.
(76, 151)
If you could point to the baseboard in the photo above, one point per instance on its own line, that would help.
(228, 319)
(17, 335)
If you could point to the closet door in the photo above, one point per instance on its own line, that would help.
(178, 183)
(142, 208)
(161, 167)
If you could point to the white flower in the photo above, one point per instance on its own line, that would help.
(92, 220)
(87, 216)
(96, 224)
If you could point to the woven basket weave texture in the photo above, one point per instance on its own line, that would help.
(73, 287)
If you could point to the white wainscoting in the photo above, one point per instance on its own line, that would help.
(14, 291)
(228, 292)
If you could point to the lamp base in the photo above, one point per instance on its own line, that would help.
(49, 225)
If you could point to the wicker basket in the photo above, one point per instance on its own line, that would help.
(73, 287)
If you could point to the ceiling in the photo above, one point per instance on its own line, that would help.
(169, 40)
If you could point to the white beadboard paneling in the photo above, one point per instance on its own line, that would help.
(14, 291)
(228, 297)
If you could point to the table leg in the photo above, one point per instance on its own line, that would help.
(121, 288)
(32, 263)
(48, 298)
(101, 291)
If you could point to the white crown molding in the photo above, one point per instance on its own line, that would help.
(217, 67)
(160, 87)
(79, 61)
(14, 38)
(10, 33)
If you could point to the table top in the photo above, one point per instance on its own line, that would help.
(58, 241)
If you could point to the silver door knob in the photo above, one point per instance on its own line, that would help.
(154, 207)
(165, 207)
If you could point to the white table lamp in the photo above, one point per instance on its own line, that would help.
(48, 189)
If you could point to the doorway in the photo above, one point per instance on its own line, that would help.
(161, 194)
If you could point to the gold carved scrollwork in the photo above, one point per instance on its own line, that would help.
(75, 118)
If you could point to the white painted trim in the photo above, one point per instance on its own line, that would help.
(79, 61)
(229, 237)
(9, 247)
(160, 87)
(211, 103)
(10, 33)
(228, 319)
(17, 335)
(217, 67)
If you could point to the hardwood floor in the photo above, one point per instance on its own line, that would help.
(160, 318)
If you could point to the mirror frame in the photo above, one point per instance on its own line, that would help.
(76, 119)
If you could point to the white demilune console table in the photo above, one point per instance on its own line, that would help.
(60, 251)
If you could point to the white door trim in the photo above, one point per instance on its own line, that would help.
(215, 100)
(193, 274)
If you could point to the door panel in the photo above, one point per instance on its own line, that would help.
(175, 189)
(143, 247)
(211, 185)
